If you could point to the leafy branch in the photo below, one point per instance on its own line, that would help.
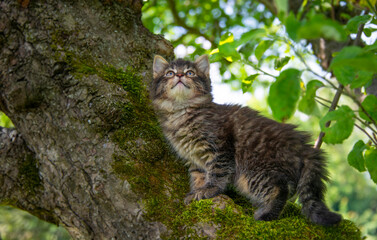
(181, 22)
(334, 103)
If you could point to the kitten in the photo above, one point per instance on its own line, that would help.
(228, 144)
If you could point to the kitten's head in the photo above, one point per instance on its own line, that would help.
(180, 80)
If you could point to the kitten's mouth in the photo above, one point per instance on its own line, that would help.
(181, 83)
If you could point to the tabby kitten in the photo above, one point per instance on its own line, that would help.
(228, 144)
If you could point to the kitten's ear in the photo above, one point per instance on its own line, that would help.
(202, 63)
(159, 65)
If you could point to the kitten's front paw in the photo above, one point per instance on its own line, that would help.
(202, 193)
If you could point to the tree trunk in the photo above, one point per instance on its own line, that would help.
(87, 152)
(60, 63)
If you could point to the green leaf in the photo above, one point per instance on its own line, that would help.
(284, 94)
(5, 121)
(367, 32)
(281, 62)
(370, 105)
(215, 57)
(251, 35)
(355, 157)
(227, 47)
(371, 163)
(262, 47)
(364, 62)
(229, 51)
(307, 103)
(248, 49)
(355, 66)
(341, 125)
(321, 27)
(292, 26)
(361, 78)
(347, 53)
(226, 38)
(354, 23)
(368, 3)
(355, 57)
(247, 82)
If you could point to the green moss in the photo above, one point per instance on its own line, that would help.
(28, 178)
(28, 174)
(232, 222)
(147, 156)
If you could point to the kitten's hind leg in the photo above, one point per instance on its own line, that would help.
(273, 203)
(267, 193)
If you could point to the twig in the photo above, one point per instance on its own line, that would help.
(357, 118)
(354, 98)
(317, 98)
(323, 78)
(332, 10)
(257, 68)
(321, 103)
(366, 133)
(372, 8)
(358, 36)
(181, 22)
(366, 125)
(338, 93)
(306, 65)
(334, 103)
(323, 99)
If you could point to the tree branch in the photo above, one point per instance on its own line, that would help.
(20, 183)
(338, 93)
(366, 133)
(358, 103)
(334, 103)
(181, 22)
(308, 68)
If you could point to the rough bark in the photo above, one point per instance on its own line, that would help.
(57, 163)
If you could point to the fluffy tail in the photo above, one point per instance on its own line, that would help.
(311, 189)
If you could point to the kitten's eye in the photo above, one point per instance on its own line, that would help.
(190, 74)
(170, 74)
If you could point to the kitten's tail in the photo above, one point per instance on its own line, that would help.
(311, 189)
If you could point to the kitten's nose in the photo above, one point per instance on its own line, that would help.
(179, 75)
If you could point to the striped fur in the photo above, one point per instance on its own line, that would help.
(265, 160)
